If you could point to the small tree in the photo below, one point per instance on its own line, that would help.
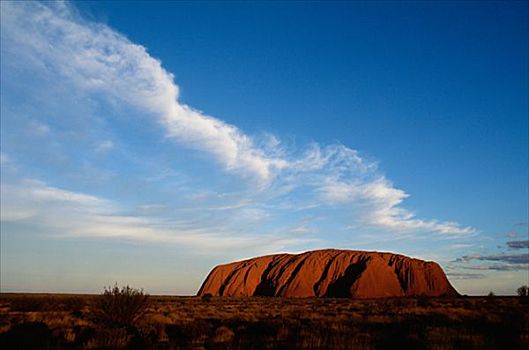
(120, 307)
(523, 291)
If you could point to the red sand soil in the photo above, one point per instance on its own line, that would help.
(329, 273)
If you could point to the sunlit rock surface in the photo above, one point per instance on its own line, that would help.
(329, 273)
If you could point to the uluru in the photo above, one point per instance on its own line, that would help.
(329, 273)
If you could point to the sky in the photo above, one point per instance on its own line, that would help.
(144, 143)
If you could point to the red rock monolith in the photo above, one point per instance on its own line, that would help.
(329, 273)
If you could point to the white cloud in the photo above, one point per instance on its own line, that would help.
(29, 199)
(510, 234)
(99, 61)
(464, 276)
(38, 191)
(381, 205)
(302, 227)
(334, 159)
(461, 245)
(63, 213)
(105, 146)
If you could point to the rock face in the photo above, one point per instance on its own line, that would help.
(329, 273)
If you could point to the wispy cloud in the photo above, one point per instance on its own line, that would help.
(38, 129)
(461, 245)
(507, 258)
(96, 60)
(464, 276)
(499, 263)
(383, 202)
(104, 146)
(63, 213)
(518, 244)
(498, 267)
(302, 227)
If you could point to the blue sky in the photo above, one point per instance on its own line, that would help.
(143, 143)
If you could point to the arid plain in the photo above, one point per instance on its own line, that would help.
(53, 321)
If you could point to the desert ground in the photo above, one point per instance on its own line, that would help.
(60, 321)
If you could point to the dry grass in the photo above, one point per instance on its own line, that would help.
(59, 321)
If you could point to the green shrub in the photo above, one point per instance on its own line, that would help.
(120, 307)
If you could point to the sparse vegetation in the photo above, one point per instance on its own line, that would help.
(28, 303)
(270, 323)
(491, 297)
(523, 294)
(423, 301)
(207, 297)
(120, 307)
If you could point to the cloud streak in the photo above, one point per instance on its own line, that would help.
(64, 213)
(498, 267)
(99, 61)
(465, 276)
(518, 244)
(505, 258)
